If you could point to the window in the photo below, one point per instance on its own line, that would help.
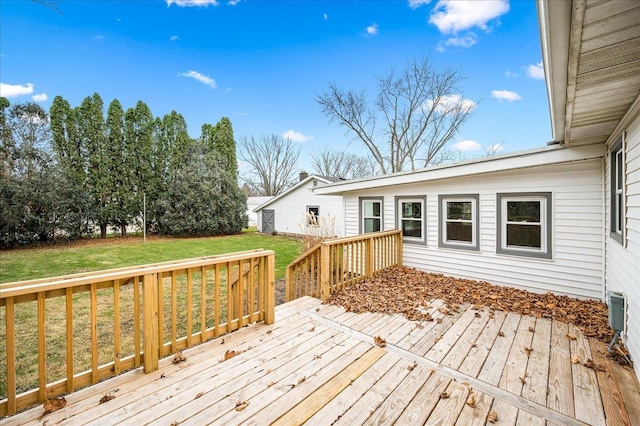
(371, 215)
(411, 218)
(313, 215)
(459, 221)
(524, 224)
(617, 191)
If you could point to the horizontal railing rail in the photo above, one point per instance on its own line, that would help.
(335, 263)
(60, 334)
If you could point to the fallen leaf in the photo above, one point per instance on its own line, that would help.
(501, 333)
(178, 357)
(527, 350)
(474, 344)
(439, 320)
(492, 417)
(410, 367)
(443, 310)
(523, 380)
(571, 336)
(471, 402)
(230, 353)
(317, 356)
(437, 339)
(106, 398)
(477, 315)
(444, 395)
(54, 404)
(241, 405)
(301, 380)
(575, 359)
(317, 309)
(199, 395)
(531, 329)
(312, 328)
(222, 341)
(269, 331)
(269, 371)
(271, 384)
(379, 341)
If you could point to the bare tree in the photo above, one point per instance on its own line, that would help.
(421, 110)
(273, 161)
(341, 164)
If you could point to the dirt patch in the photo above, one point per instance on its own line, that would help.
(280, 288)
(404, 290)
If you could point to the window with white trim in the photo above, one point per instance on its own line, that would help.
(459, 221)
(370, 215)
(617, 191)
(411, 218)
(313, 215)
(524, 224)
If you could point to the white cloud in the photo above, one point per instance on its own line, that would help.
(40, 98)
(467, 145)
(505, 95)
(99, 37)
(449, 102)
(204, 79)
(233, 2)
(325, 16)
(296, 136)
(15, 90)
(451, 16)
(510, 74)
(414, 4)
(190, 3)
(372, 29)
(536, 71)
(465, 41)
(242, 113)
(174, 38)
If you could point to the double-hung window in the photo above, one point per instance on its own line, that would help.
(411, 218)
(617, 191)
(459, 221)
(524, 224)
(370, 215)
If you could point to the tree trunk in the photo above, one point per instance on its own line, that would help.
(123, 229)
(103, 230)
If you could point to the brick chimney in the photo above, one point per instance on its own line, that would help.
(303, 175)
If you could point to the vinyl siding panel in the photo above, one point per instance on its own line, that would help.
(576, 267)
(622, 264)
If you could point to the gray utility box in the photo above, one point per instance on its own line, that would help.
(616, 304)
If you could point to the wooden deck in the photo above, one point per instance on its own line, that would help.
(319, 365)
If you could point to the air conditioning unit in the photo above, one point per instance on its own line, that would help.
(616, 303)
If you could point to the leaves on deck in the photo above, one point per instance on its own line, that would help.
(54, 404)
(106, 398)
(594, 366)
(199, 394)
(492, 417)
(444, 395)
(301, 380)
(380, 341)
(501, 333)
(410, 367)
(531, 329)
(407, 290)
(527, 350)
(178, 358)
(230, 353)
(471, 402)
(241, 405)
(571, 336)
(575, 359)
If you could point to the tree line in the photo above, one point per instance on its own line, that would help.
(73, 171)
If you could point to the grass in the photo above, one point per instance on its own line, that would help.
(95, 254)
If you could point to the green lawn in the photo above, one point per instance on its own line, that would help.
(26, 264)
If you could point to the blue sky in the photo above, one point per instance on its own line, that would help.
(262, 63)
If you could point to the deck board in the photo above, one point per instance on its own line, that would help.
(318, 365)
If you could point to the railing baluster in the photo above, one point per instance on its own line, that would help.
(116, 326)
(136, 321)
(94, 333)
(189, 306)
(216, 301)
(203, 303)
(230, 313)
(69, 320)
(42, 350)
(159, 299)
(174, 311)
(10, 326)
(251, 295)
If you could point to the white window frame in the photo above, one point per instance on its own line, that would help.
(443, 240)
(362, 201)
(316, 218)
(544, 198)
(617, 191)
(422, 200)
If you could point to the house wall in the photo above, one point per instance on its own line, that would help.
(622, 264)
(290, 211)
(577, 215)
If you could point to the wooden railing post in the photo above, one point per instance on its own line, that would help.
(398, 238)
(150, 322)
(287, 285)
(325, 262)
(369, 257)
(11, 355)
(270, 305)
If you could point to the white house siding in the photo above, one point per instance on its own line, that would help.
(290, 210)
(622, 266)
(577, 265)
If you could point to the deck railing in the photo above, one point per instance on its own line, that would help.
(335, 263)
(64, 333)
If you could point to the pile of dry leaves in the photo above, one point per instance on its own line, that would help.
(407, 290)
